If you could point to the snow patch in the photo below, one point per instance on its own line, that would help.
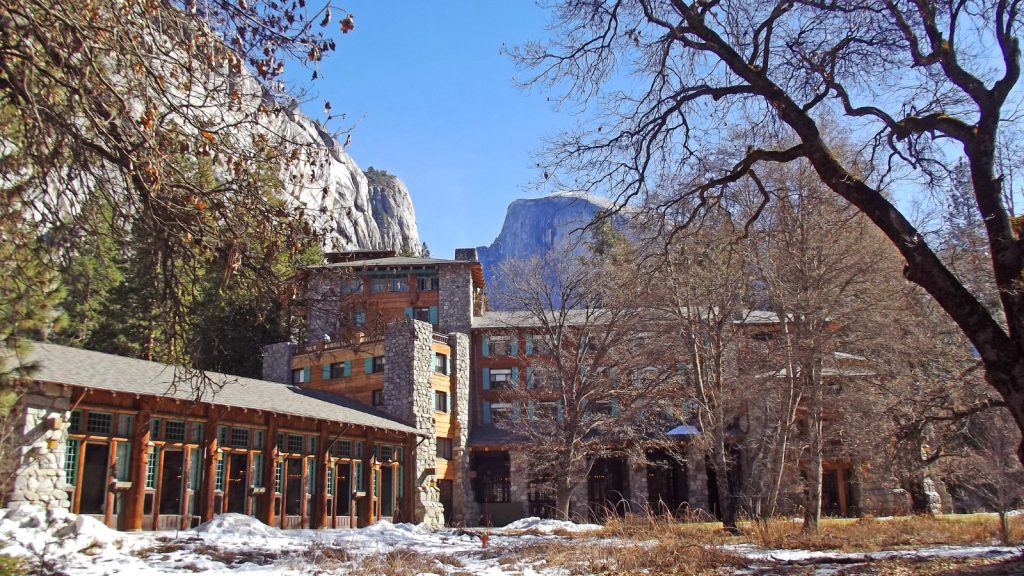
(549, 526)
(237, 525)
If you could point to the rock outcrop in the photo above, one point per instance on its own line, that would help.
(536, 226)
(338, 193)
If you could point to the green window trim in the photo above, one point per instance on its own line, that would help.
(122, 462)
(71, 461)
(219, 481)
(486, 384)
(278, 476)
(257, 470)
(151, 462)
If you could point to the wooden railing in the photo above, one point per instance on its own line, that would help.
(323, 346)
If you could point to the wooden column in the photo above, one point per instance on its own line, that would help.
(366, 513)
(270, 450)
(108, 507)
(186, 482)
(319, 519)
(209, 484)
(135, 498)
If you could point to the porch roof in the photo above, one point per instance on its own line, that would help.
(100, 371)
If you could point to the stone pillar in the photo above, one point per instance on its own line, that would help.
(638, 503)
(409, 397)
(697, 480)
(277, 362)
(455, 298)
(465, 509)
(41, 437)
(579, 503)
(519, 478)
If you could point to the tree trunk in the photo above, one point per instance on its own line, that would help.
(726, 503)
(563, 493)
(812, 504)
(1004, 527)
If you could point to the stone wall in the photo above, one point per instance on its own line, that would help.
(697, 480)
(409, 398)
(638, 503)
(465, 509)
(519, 478)
(39, 443)
(277, 362)
(455, 299)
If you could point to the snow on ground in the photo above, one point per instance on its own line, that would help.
(235, 543)
(549, 526)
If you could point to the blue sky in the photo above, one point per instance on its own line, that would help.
(432, 100)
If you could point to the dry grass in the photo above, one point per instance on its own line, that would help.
(869, 534)
(402, 562)
(669, 557)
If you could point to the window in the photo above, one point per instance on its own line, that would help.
(399, 284)
(258, 440)
(151, 461)
(359, 318)
(378, 285)
(125, 425)
(351, 285)
(441, 363)
(378, 397)
(197, 432)
(174, 431)
(75, 424)
(155, 429)
(99, 423)
(239, 438)
(500, 345)
(294, 443)
(440, 401)
(343, 449)
(71, 462)
(422, 314)
(426, 283)
(501, 378)
(378, 364)
(500, 412)
(335, 370)
(312, 444)
(300, 375)
(444, 448)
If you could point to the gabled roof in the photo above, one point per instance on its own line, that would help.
(99, 371)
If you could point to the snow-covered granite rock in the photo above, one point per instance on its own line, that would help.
(337, 193)
(393, 211)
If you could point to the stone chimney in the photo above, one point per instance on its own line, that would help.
(466, 255)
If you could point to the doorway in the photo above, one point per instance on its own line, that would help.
(94, 468)
(294, 489)
(171, 481)
(238, 466)
(605, 487)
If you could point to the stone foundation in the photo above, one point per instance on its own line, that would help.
(39, 443)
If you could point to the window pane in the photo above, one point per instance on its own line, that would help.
(174, 431)
(99, 423)
(239, 438)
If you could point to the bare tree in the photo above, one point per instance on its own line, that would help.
(917, 85)
(592, 389)
(125, 102)
(701, 289)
